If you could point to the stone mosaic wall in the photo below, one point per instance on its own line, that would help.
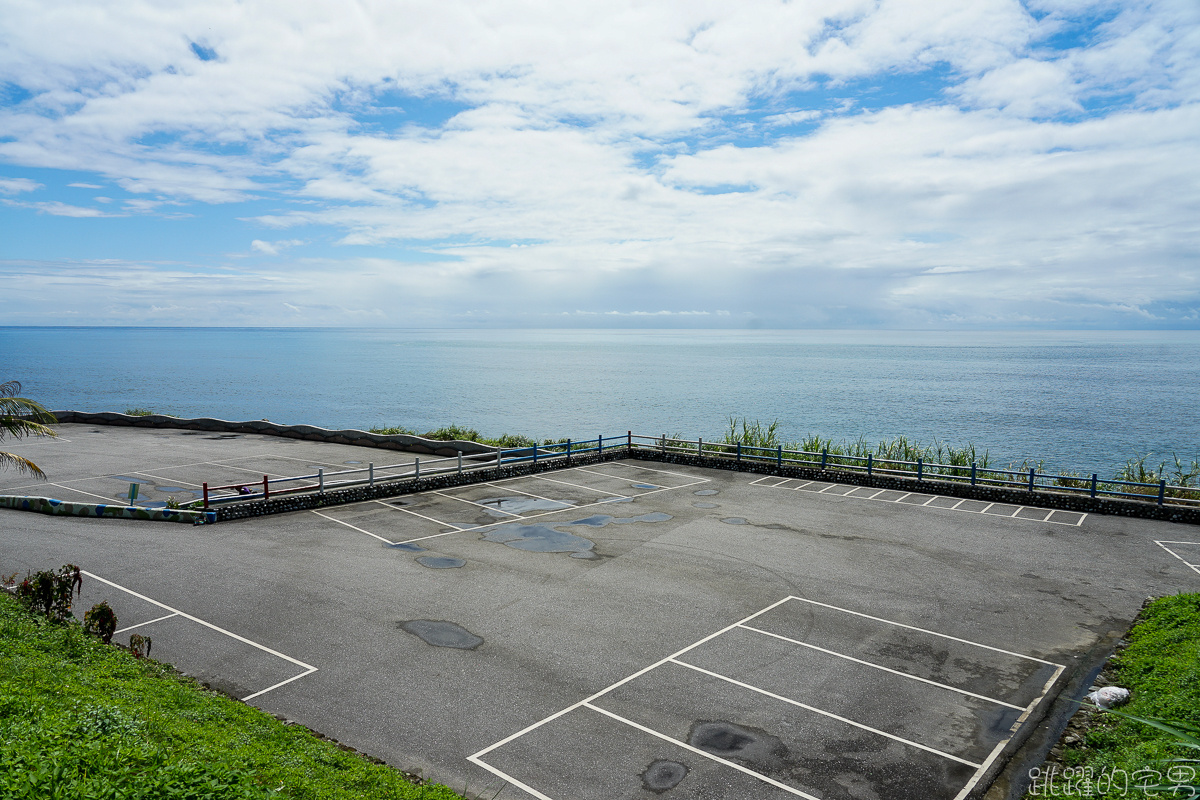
(48, 505)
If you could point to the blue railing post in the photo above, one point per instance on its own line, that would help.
(1094, 476)
(499, 460)
(1031, 479)
(599, 444)
(1162, 490)
(779, 457)
(972, 473)
(920, 468)
(824, 458)
(568, 450)
(535, 454)
(739, 452)
(869, 464)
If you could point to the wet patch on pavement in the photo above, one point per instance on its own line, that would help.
(539, 539)
(600, 520)
(440, 633)
(520, 505)
(662, 775)
(440, 562)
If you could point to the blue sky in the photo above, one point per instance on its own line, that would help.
(832, 163)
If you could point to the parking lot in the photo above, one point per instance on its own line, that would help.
(627, 629)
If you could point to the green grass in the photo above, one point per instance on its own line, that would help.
(1161, 667)
(83, 720)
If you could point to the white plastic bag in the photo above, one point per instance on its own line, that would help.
(1109, 696)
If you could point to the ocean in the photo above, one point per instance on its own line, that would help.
(1083, 400)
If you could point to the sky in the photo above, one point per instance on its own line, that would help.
(925, 164)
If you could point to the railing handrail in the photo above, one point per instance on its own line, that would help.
(1029, 479)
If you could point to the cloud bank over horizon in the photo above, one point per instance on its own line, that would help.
(837, 163)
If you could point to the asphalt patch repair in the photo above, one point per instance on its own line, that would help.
(826, 646)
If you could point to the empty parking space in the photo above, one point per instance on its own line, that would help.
(225, 660)
(809, 699)
(1187, 552)
(1033, 514)
(579, 497)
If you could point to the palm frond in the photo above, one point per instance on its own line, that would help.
(20, 464)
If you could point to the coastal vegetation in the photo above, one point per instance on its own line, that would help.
(20, 417)
(83, 719)
(449, 433)
(901, 454)
(1140, 751)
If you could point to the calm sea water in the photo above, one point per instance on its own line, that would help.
(1084, 400)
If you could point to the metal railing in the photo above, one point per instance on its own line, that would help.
(322, 481)
(1030, 480)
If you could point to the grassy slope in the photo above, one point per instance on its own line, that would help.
(1161, 667)
(80, 719)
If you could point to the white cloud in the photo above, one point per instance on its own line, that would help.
(644, 151)
(274, 248)
(85, 185)
(18, 185)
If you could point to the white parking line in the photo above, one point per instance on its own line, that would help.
(472, 502)
(1163, 544)
(616, 477)
(576, 485)
(886, 669)
(352, 527)
(528, 494)
(109, 500)
(309, 669)
(829, 714)
(699, 752)
(676, 658)
(148, 622)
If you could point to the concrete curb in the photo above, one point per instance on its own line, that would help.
(49, 505)
(311, 433)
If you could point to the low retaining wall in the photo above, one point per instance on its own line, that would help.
(399, 441)
(48, 505)
(991, 494)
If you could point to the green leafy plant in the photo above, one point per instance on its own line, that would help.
(50, 592)
(139, 645)
(138, 412)
(100, 620)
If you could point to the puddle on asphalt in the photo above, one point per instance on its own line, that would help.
(705, 505)
(539, 539)
(519, 505)
(440, 562)
(662, 775)
(170, 488)
(735, 521)
(440, 633)
(127, 479)
(735, 741)
(600, 520)
(706, 492)
(407, 546)
(644, 486)
(351, 462)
